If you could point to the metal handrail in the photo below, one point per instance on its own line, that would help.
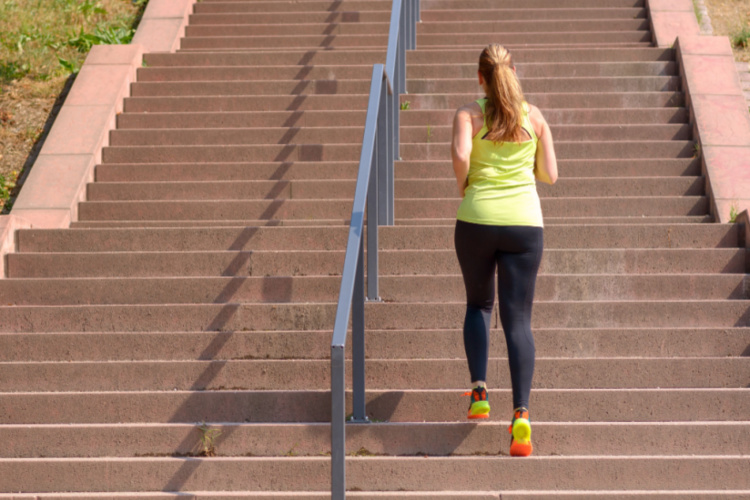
(375, 193)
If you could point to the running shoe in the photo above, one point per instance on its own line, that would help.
(520, 430)
(480, 407)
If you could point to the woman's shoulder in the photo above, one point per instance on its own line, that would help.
(536, 118)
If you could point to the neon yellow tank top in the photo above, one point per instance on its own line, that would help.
(502, 189)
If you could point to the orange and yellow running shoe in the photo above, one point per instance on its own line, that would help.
(479, 407)
(520, 430)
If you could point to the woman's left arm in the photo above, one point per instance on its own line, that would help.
(461, 147)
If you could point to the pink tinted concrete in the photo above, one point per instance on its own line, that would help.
(9, 224)
(101, 85)
(80, 130)
(709, 74)
(721, 120)
(704, 45)
(57, 183)
(163, 25)
(667, 26)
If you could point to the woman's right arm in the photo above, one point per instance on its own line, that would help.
(461, 147)
(545, 168)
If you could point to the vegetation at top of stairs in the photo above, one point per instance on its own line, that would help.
(41, 43)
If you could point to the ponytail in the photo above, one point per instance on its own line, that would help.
(504, 108)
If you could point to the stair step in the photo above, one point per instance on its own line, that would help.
(404, 188)
(394, 439)
(553, 70)
(417, 288)
(626, 117)
(282, 41)
(533, 26)
(334, 238)
(317, 316)
(407, 169)
(554, 84)
(543, 101)
(291, 17)
(343, 57)
(392, 262)
(503, 13)
(682, 342)
(301, 27)
(550, 405)
(296, 375)
(306, 6)
(282, 87)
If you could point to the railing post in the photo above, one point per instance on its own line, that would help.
(338, 423)
(373, 216)
(359, 414)
(384, 155)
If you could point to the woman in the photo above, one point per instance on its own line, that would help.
(500, 145)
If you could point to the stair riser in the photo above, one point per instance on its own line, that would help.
(545, 85)
(330, 190)
(403, 262)
(551, 70)
(353, 134)
(271, 152)
(428, 5)
(256, 103)
(532, 26)
(521, 14)
(575, 150)
(300, 87)
(267, 6)
(365, 474)
(292, 40)
(381, 375)
(368, 57)
(395, 406)
(394, 439)
(529, 70)
(391, 238)
(259, 136)
(130, 172)
(253, 28)
(338, 152)
(284, 40)
(381, 344)
(314, 316)
(326, 289)
(291, 17)
(554, 117)
(551, 101)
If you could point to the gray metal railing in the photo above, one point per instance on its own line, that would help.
(374, 193)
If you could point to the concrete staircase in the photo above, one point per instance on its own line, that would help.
(197, 291)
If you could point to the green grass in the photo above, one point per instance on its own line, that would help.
(742, 38)
(45, 39)
(698, 14)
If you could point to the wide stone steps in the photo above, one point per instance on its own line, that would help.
(562, 343)
(413, 406)
(297, 375)
(327, 263)
(198, 285)
(397, 439)
(416, 288)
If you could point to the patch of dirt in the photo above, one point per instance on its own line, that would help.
(728, 18)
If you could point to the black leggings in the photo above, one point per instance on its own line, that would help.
(516, 252)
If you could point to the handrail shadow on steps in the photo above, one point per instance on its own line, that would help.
(374, 193)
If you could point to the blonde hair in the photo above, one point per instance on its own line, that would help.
(504, 108)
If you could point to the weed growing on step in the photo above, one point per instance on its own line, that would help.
(698, 14)
(405, 105)
(696, 150)
(733, 212)
(429, 133)
(208, 440)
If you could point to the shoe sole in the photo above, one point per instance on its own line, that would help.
(479, 409)
(521, 446)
